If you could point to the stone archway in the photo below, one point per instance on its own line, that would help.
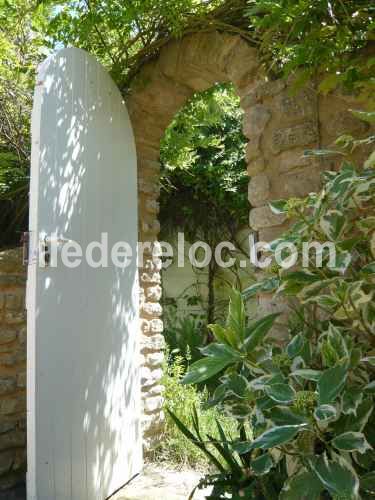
(278, 125)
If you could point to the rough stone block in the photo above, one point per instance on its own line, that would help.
(15, 439)
(255, 120)
(7, 384)
(151, 309)
(7, 459)
(147, 278)
(154, 293)
(256, 166)
(8, 405)
(150, 377)
(259, 190)
(253, 148)
(297, 107)
(297, 135)
(15, 317)
(152, 343)
(262, 91)
(11, 262)
(150, 405)
(156, 326)
(262, 217)
(154, 359)
(21, 379)
(7, 335)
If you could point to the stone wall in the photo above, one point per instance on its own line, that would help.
(279, 125)
(12, 369)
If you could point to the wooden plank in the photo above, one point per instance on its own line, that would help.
(84, 437)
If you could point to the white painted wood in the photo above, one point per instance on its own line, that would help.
(84, 436)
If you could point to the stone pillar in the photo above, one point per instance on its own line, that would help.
(280, 125)
(12, 369)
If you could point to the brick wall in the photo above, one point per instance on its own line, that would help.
(12, 369)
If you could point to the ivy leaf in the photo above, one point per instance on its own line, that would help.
(262, 465)
(365, 116)
(331, 383)
(351, 441)
(281, 415)
(295, 346)
(338, 477)
(278, 206)
(267, 285)
(281, 393)
(369, 359)
(333, 224)
(307, 374)
(302, 486)
(351, 399)
(276, 436)
(325, 414)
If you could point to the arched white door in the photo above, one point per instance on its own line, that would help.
(84, 436)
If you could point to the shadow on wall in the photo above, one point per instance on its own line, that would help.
(87, 429)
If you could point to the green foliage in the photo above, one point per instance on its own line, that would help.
(317, 37)
(185, 337)
(203, 167)
(310, 403)
(183, 401)
(123, 35)
(21, 50)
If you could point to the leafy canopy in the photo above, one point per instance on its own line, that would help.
(203, 167)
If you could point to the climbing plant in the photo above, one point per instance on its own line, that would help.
(204, 178)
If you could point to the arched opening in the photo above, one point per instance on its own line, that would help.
(203, 215)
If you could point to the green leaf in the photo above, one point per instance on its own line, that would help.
(365, 116)
(262, 465)
(267, 285)
(257, 331)
(280, 416)
(370, 388)
(185, 431)
(215, 350)
(236, 317)
(367, 482)
(219, 332)
(307, 374)
(295, 346)
(279, 206)
(313, 153)
(369, 359)
(369, 269)
(303, 486)
(276, 436)
(325, 414)
(205, 368)
(351, 399)
(351, 441)
(333, 224)
(331, 383)
(337, 477)
(281, 393)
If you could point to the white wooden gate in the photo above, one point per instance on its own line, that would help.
(84, 437)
